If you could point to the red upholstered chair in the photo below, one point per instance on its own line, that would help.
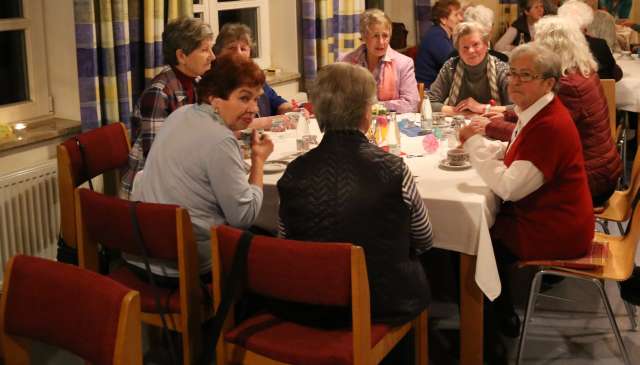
(106, 149)
(168, 235)
(312, 273)
(87, 314)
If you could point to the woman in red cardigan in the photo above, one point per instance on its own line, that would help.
(539, 175)
(580, 91)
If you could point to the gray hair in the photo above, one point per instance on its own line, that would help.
(480, 14)
(371, 17)
(230, 33)
(578, 12)
(545, 61)
(184, 33)
(341, 95)
(565, 39)
(466, 28)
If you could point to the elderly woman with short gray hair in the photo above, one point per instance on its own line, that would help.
(186, 47)
(394, 73)
(349, 190)
(473, 82)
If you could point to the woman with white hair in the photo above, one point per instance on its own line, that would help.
(483, 16)
(394, 72)
(473, 82)
(581, 92)
(581, 14)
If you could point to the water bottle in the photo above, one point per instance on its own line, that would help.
(302, 134)
(393, 134)
(426, 114)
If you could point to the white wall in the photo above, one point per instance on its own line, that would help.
(403, 11)
(61, 58)
(283, 21)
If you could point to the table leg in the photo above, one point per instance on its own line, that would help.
(471, 313)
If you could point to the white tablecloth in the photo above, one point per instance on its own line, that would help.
(628, 88)
(461, 207)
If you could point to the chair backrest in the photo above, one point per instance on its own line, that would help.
(609, 86)
(107, 220)
(104, 149)
(421, 93)
(622, 267)
(301, 265)
(90, 315)
(306, 272)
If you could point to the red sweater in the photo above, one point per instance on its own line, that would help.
(587, 104)
(556, 221)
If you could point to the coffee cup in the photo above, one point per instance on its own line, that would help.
(457, 157)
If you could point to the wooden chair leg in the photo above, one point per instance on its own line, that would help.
(421, 339)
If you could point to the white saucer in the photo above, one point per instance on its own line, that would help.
(273, 167)
(444, 164)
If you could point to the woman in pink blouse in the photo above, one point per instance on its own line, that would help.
(394, 73)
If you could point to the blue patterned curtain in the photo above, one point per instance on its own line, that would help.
(119, 49)
(329, 29)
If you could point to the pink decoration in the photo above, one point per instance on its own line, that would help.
(430, 143)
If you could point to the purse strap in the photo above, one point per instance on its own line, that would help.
(232, 288)
(145, 255)
(83, 160)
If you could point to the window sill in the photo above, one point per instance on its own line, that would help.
(41, 131)
(281, 77)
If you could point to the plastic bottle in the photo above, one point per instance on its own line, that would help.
(393, 134)
(426, 114)
(302, 134)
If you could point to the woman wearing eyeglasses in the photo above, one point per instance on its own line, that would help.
(580, 91)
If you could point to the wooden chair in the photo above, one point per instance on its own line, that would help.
(168, 235)
(323, 274)
(618, 266)
(62, 305)
(421, 93)
(621, 203)
(105, 149)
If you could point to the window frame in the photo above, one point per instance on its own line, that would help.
(208, 10)
(32, 23)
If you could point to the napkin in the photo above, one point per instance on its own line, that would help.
(408, 128)
(430, 143)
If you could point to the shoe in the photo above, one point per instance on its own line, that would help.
(508, 324)
(630, 288)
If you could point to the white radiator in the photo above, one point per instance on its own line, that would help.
(29, 213)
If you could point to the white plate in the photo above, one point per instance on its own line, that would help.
(272, 167)
(444, 164)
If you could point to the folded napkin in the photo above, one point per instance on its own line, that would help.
(408, 128)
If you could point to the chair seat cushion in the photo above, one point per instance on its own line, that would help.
(292, 343)
(148, 291)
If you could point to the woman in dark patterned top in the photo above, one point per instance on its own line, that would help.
(349, 190)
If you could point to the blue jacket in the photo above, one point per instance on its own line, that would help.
(435, 48)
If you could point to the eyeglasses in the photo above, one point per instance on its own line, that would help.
(523, 76)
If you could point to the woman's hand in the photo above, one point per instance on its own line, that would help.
(470, 104)
(468, 131)
(480, 123)
(261, 146)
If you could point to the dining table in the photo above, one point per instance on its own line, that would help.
(628, 88)
(461, 207)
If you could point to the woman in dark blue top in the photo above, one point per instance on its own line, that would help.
(436, 45)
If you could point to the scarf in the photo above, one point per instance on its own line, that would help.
(454, 92)
(387, 84)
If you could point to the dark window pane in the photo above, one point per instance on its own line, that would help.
(10, 9)
(13, 68)
(248, 16)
